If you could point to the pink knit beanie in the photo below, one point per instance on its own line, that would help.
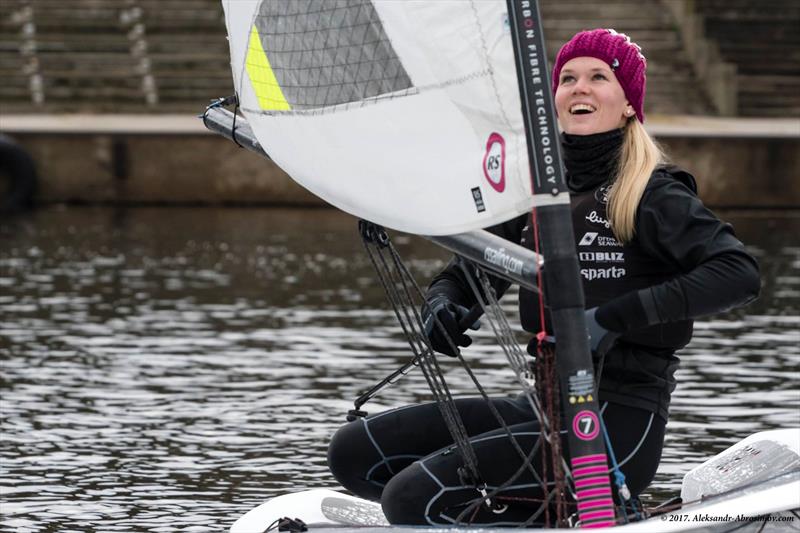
(622, 55)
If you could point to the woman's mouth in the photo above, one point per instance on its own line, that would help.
(582, 109)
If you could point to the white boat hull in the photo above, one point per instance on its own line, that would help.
(752, 486)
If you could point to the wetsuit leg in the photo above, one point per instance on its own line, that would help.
(363, 455)
(429, 491)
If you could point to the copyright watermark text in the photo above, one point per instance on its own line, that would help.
(705, 517)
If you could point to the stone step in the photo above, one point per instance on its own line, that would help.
(78, 44)
(180, 65)
(164, 83)
(170, 5)
(747, 63)
(782, 111)
(9, 46)
(12, 97)
(87, 65)
(758, 35)
(194, 101)
(11, 79)
(175, 20)
(83, 93)
(200, 96)
(617, 8)
(769, 10)
(648, 43)
(775, 81)
(748, 68)
(111, 21)
(755, 99)
(768, 59)
(188, 51)
(575, 23)
(82, 88)
(158, 45)
(8, 25)
(211, 77)
(12, 59)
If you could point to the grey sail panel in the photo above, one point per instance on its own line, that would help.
(329, 52)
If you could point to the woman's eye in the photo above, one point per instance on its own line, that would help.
(566, 78)
(599, 76)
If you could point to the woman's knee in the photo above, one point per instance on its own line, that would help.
(349, 460)
(338, 450)
(406, 496)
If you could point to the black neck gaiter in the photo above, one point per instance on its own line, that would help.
(591, 160)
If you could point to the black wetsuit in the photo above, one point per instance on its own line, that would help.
(682, 263)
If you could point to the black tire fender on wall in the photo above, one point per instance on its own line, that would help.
(18, 178)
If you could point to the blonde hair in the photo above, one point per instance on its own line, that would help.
(639, 157)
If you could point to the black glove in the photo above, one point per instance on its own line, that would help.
(600, 339)
(547, 341)
(450, 314)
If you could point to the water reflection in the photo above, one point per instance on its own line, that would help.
(167, 369)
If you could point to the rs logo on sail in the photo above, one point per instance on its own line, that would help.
(494, 162)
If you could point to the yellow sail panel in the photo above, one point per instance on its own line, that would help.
(269, 93)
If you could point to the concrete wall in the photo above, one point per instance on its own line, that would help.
(747, 173)
(166, 169)
(153, 160)
(174, 160)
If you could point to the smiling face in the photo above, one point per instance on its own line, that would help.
(589, 99)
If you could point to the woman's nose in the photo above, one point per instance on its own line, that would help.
(580, 86)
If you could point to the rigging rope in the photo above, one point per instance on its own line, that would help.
(406, 298)
(540, 392)
(404, 295)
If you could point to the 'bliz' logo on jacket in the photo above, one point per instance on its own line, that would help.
(494, 162)
(602, 257)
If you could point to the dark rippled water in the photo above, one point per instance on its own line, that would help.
(168, 369)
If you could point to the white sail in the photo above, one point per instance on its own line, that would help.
(406, 114)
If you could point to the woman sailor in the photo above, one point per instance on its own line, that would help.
(652, 259)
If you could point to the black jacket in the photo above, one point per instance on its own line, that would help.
(683, 263)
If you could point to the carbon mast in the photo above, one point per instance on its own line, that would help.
(563, 289)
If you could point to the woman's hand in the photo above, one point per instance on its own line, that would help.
(450, 315)
(600, 339)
